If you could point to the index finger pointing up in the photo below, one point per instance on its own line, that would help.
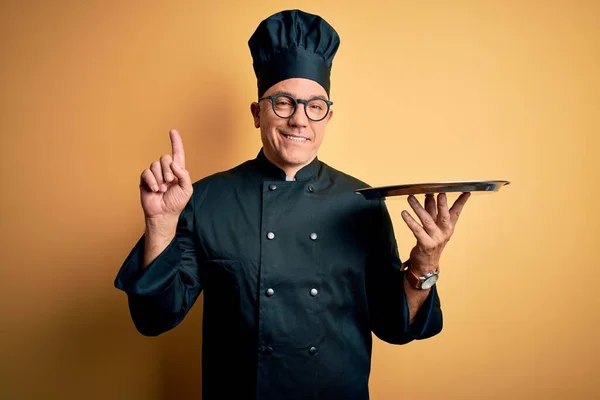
(177, 148)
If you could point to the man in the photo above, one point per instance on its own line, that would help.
(297, 270)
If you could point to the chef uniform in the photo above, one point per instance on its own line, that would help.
(296, 274)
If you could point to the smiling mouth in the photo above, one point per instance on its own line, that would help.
(295, 139)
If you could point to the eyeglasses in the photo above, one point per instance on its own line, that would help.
(284, 106)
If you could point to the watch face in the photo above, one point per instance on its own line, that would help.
(429, 282)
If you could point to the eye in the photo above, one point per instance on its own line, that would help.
(317, 105)
(283, 102)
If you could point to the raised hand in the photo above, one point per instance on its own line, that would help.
(166, 187)
(438, 223)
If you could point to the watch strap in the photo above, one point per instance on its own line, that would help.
(414, 280)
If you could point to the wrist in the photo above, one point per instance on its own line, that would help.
(420, 278)
(420, 268)
(161, 227)
(159, 233)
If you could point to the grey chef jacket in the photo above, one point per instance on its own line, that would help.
(296, 275)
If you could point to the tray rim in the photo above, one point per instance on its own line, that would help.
(448, 184)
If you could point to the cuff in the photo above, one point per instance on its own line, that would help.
(155, 278)
(428, 321)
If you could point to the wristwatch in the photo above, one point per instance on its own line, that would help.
(419, 282)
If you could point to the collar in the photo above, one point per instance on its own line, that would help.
(272, 171)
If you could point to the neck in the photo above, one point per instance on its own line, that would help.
(289, 170)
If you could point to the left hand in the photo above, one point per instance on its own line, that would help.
(438, 226)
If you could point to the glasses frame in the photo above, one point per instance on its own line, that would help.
(296, 102)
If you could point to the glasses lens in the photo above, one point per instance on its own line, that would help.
(283, 106)
(316, 109)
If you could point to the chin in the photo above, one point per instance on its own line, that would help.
(296, 157)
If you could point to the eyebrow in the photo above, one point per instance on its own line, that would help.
(314, 96)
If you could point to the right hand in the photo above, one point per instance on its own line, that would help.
(166, 187)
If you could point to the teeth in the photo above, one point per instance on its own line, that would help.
(295, 139)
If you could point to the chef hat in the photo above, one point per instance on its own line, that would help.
(293, 44)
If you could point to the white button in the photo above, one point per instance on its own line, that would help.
(270, 292)
(313, 292)
(270, 235)
(313, 236)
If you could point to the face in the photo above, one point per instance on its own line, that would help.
(290, 143)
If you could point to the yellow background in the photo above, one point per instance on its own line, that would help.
(423, 91)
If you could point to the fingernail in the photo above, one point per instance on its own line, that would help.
(169, 176)
(155, 188)
(412, 199)
(175, 165)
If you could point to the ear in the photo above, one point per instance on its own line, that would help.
(255, 110)
(329, 116)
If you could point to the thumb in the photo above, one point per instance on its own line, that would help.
(182, 175)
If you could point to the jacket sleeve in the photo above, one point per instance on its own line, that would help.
(388, 306)
(161, 295)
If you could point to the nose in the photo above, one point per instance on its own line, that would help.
(299, 118)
